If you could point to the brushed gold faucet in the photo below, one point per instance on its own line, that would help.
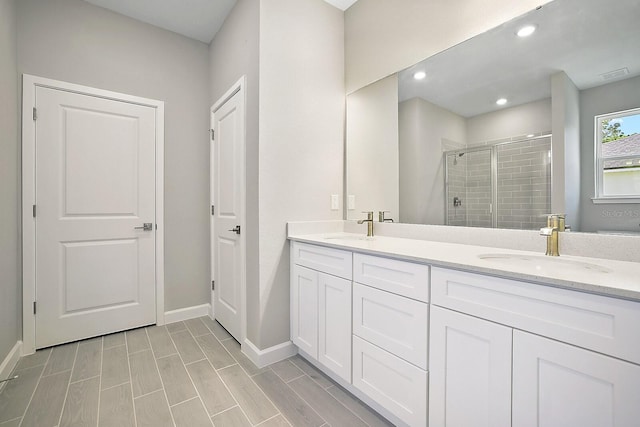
(555, 224)
(382, 216)
(369, 222)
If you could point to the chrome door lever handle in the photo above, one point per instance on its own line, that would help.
(236, 229)
(147, 226)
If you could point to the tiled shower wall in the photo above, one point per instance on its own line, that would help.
(523, 183)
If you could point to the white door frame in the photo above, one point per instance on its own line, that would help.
(237, 87)
(29, 85)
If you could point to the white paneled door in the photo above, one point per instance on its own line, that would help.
(227, 228)
(95, 187)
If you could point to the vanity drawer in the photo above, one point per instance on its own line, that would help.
(398, 386)
(399, 277)
(320, 258)
(395, 323)
(604, 324)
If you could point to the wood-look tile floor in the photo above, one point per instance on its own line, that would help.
(189, 373)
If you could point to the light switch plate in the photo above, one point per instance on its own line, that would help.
(351, 202)
(335, 202)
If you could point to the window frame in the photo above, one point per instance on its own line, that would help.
(599, 196)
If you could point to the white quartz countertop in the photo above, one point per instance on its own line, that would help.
(620, 279)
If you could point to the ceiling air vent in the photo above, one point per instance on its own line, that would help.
(615, 74)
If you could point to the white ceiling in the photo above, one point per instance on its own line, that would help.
(196, 19)
(584, 38)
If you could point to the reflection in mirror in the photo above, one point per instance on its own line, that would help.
(467, 159)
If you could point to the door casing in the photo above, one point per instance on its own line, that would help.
(29, 85)
(237, 87)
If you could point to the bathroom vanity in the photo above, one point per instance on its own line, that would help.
(444, 334)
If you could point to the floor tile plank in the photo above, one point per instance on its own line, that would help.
(137, 340)
(115, 367)
(233, 347)
(191, 414)
(278, 421)
(116, 407)
(176, 327)
(212, 390)
(368, 415)
(113, 340)
(187, 347)
(144, 374)
(88, 360)
(232, 418)
(286, 370)
(46, 405)
(81, 406)
(16, 394)
(215, 352)
(62, 358)
(312, 371)
(152, 410)
(176, 381)
(252, 400)
(217, 329)
(161, 342)
(297, 411)
(332, 411)
(38, 358)
(196, 327)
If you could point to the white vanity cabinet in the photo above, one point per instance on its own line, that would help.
(510, 353)
(320, 301)
(390, 334)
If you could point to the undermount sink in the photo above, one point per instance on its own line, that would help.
(544, 263)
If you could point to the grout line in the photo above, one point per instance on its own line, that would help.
(117, 385)
(228, 366)
(100, 382)
(296, 378)
(155, 362)
(221, 380)
(133, 401)
(305, 401)
(151, 392)
(184, 401)
(83, 379)
(226, 410)
(164, 357)
(269, 419)
(12, 419)
(66, 394)
(36, 387)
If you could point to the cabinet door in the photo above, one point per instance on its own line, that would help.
(559, 385)
(304, 309)
(334, 316)
(469, 371)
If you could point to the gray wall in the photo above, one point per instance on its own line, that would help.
(74, 41)
(609, 98)
(10, 300)
(233, 53)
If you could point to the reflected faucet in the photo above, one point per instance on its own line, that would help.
(555, 224)
(369, 222)
(381, 217)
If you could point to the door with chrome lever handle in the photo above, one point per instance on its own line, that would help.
(147, 226)
(236, 229)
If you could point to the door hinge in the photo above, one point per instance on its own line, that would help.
(35, 114)
(34, 307)
(212, 134)
(213, 210)
(213, 285)
(34, 211)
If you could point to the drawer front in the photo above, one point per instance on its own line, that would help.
(604, 324)
(399, 277)
(395, 323)
(327, 260)
(398, 386)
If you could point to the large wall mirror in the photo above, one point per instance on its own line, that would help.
(499, 130)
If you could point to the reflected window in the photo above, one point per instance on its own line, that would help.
(618, 156)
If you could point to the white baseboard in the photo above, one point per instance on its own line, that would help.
(10, 362)
(262, 358)
(187, 313)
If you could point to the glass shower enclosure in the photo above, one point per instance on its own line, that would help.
(500, 185)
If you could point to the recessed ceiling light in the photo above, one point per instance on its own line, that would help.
(501, 101)
(526, 31)
(420, 75)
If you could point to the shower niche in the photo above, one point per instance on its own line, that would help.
(499, 184)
